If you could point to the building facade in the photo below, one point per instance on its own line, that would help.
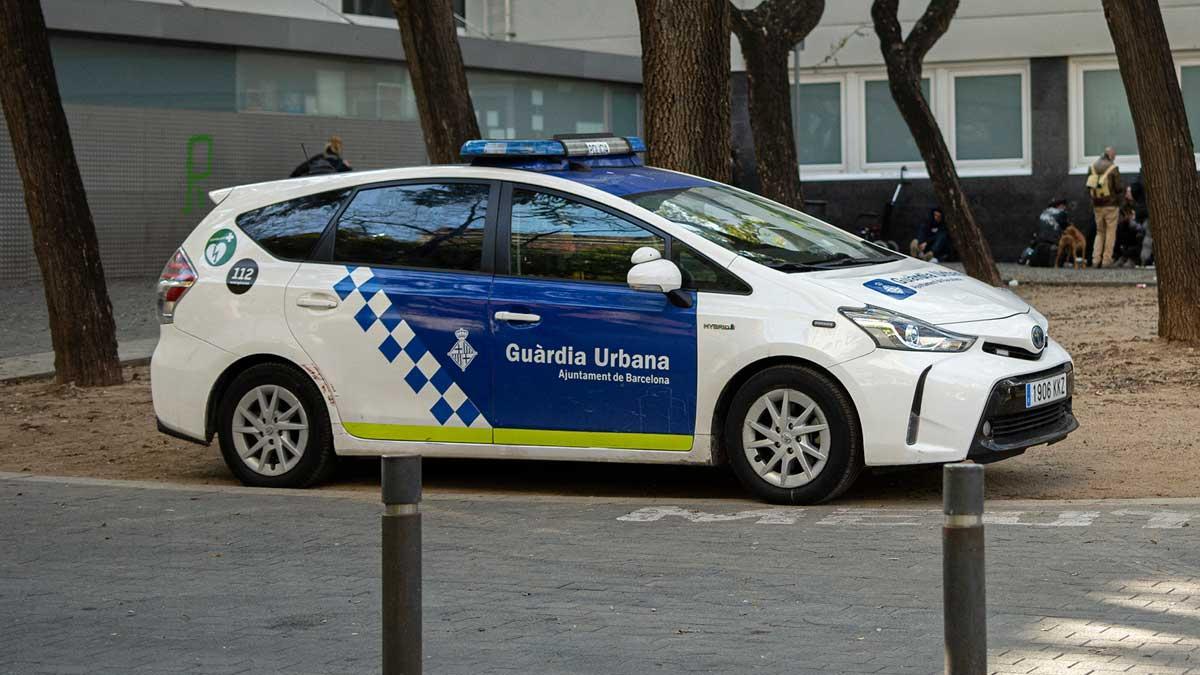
(169, 99)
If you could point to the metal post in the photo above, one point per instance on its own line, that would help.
(401, 565)
(964, 590)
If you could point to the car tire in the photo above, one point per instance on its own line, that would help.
(793, 436)
(273, 428)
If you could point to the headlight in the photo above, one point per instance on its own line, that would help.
(890, 330)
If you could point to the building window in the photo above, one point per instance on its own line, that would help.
(508, 105)
(1189, 80)
(848, 122)
(95, 71)
(1106, 118)
(988, 117)
(383, 8)
(819, 124)
(311, 85)
(886, 133)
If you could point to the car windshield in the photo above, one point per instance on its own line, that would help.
(760, 229)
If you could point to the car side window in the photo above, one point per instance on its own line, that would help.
(290, 229)
(433, 226)
(700, 274)
(556, 237)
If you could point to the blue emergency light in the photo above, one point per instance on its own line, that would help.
(566, 146)
(561, 148)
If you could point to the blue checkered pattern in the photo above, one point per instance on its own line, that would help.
(400, 346)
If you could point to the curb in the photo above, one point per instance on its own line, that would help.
(16, 369)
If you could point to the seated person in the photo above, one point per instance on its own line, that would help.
(933, 239)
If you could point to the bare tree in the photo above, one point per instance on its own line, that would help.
(767, 34)
(64, 236)
(904, 57)
(439, 80)
(685, 76)
(1168, 162)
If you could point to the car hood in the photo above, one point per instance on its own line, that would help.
(921, 290)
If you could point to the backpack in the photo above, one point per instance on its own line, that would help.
(1097, 184)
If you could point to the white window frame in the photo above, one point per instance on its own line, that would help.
(861, 122)
(1129, 162)
(941, 90)
(841, 82)
(951, 76)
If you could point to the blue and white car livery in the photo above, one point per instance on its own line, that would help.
(557, 299)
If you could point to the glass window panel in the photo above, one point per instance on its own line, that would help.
(819, 123)
(427, 226)
(624, 111)
(888, 139)
(290, 229)
(1106, 118)
(143, 75)
(987, 117)
(308, 85)
(1190, 81)
(556, 237)
(509, 105)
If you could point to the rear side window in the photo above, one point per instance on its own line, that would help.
(431, 226)
(290, 229)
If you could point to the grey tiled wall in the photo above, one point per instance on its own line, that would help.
(134, 163)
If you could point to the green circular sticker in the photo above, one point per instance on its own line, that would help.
(220, 247)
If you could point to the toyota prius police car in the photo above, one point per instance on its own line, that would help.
(557, 299)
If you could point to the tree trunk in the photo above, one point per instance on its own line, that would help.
(1168, 162)
(903, 58)
(685, 75)
(439, 80)
(767, 34)
(64, 236)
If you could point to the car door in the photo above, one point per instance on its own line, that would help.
(580, 359)
(393, 310)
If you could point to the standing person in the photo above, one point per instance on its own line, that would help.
(329, 161)
(1105, 189)
(933, 239)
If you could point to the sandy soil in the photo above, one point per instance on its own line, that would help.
(1135, 398)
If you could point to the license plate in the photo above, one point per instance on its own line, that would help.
(1046, 391)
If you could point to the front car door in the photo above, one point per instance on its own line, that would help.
(393, 310)
(580, 359)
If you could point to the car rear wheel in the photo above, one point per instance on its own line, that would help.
(274, 428)
(793, 436)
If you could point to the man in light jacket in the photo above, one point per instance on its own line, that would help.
(1105, 189)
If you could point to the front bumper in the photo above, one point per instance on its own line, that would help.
(1007, 427)
(958, 393)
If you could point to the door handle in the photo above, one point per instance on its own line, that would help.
(316, 301)
(517, 317)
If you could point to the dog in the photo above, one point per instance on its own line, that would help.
(1071, 243)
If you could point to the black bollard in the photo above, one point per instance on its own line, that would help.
(402, 565)
(964, 590)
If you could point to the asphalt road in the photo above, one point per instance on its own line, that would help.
(105, 577)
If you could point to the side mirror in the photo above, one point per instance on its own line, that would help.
(651, 273)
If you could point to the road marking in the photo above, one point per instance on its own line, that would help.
(1153, 519)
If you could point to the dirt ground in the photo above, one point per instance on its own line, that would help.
(1135, 398)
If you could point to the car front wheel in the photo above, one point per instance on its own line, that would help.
(274, 428)
(793, 436)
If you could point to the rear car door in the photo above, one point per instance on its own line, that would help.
(393, 310)
(580, 359)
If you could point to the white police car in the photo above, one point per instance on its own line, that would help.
(556, 299)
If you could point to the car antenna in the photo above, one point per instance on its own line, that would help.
(304, 150)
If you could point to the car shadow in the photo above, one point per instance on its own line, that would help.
(612, 480)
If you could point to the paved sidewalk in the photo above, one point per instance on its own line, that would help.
(100, 577)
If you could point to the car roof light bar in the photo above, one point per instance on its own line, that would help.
(584, 146)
